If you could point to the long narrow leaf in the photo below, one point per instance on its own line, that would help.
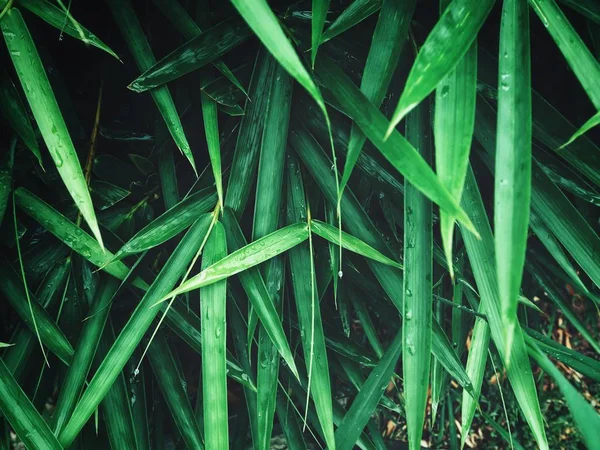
(139, 47)
(512, 188)
(214, 364)
(48, 116)
(444, 48)
(418, 285)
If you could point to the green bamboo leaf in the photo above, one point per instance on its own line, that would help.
(476, 361)
(581, 363)
(553, 293)
(211, 128)
(585, 66)
(444, 48)
(307, 305)
(106, 194)
(512, 188)
(139, 47)
(87, 344)
(319, 16)
(550, 127)
(51, 290)
(179, 17)
(267, 207)
(359, 224)
(391, 32)
(197, 52)
(133, 331)
(166, 170)
(255, 287)
(397, 150)
(43, 325)
(289, 424)
(591, 123)
(584, 414)
(482, 258)
(268, 358)
(245, 158)
(367, 399)
(453, 130)
(265, 25)
(13, 110)
(246, 257)
(271, 167)
(56, 17)
(548, 240)
(186, 324)
(22, 414)
(548, 201)
(214, 365)
(418, 286)
(116, 405)
(170, 223)
(351, 243)
(38, 91)
(171, 385)
(71, 235)
(355, 13)
(6, 176)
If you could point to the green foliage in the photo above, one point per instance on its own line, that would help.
(199, 275)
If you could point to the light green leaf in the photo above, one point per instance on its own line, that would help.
(48, 116)
(351, 243)
(444, 48)
(591, 123)
(512, 188)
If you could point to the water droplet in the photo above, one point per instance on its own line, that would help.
(218, 332)
(136, 372)
(340, 274)
(409, 315)
(445, 91)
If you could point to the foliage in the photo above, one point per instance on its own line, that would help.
(381, 211)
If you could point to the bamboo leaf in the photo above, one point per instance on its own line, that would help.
(41, 324)
(47, 114)
(211, 127)
(418, 286)
(355, 13)
(397, 150)
(14, 111)
(591, 123)
(578, 56)
(246, 257)
(133, 331)
(197, 52)
(22, 415)
(71, 234)
(319, 16)
(84, 352)
(214, 366)
(586, 417)
(253, 283)
(453, 130)
(55, 16)
(307, 305)
(367, 399)
(360, 225)
(170, 383)
(444, 48)
(391, 32)
(265, 25)
(481, 255)
(351, 243)
(170, 223)
(248, 142)
(6, 176)
(139, 47)
(512, 188)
